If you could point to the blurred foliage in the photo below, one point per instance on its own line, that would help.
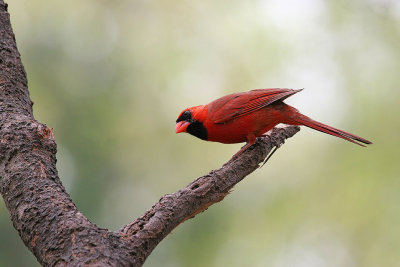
(111, 77)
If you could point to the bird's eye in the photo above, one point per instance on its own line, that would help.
(186, 115)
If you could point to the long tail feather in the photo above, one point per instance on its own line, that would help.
(300, 119)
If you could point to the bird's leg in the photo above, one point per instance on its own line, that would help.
(251, 139)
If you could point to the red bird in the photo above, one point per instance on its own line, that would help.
(242, 117)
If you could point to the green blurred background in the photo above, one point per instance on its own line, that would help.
(110, 77)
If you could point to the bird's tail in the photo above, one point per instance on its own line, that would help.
(297, 118)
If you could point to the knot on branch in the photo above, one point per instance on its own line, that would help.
(21, 136)
(45, 133)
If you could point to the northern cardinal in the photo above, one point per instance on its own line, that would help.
(242, 117)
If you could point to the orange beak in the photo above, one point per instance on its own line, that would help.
(181, 126)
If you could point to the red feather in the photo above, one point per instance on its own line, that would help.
(235, 105)
(241, 117)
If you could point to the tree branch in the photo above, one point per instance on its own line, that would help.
(42, 211)
(172, 209)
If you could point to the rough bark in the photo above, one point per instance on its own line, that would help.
(42, 211)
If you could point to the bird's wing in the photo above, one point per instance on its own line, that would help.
(232, 106)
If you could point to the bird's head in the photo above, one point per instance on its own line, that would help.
(191, 121)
